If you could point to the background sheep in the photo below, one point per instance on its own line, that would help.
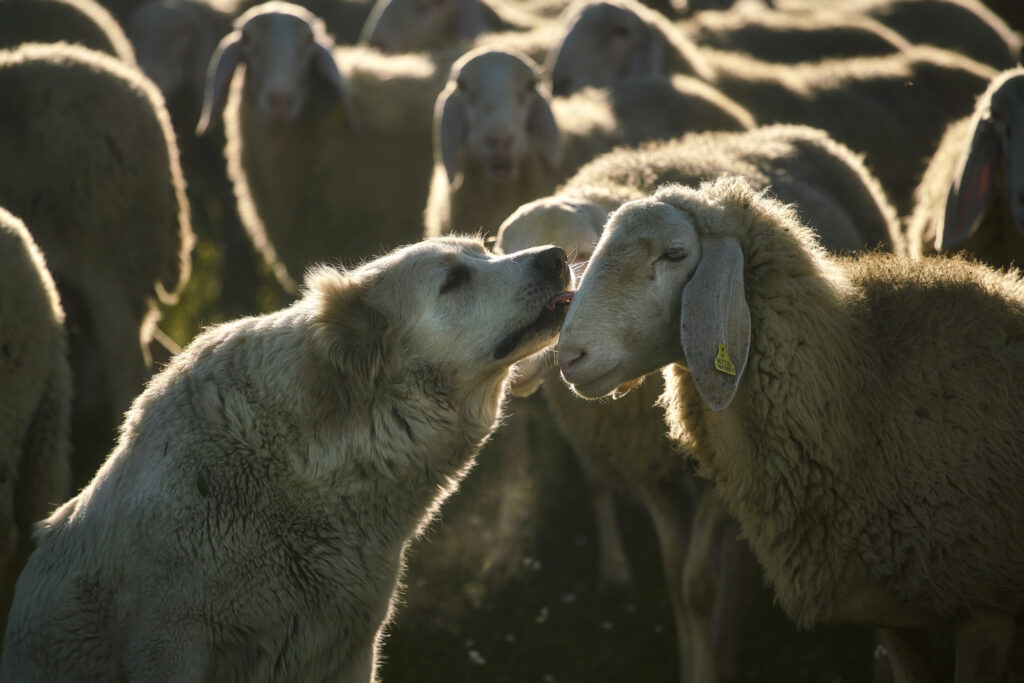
(909, 98)
(96, 179)
(416, 26)
(319, 141)
(868, 489)
(35, 404)
(972, 194)
(964, 26)
(794, 36)
(500, 141)
(622, 444)
(83, 22)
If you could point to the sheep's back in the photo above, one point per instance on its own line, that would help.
(92, 167)
(83, 22)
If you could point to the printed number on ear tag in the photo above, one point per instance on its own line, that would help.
(722, 362)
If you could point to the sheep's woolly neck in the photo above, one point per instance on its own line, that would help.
(856, 453)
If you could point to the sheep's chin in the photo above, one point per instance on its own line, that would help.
(502, 171)
(626, 387)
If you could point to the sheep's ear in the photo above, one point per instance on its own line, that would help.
(541, 123)
(347, 330)
(222, 67)
(327, 68)
(971, 188)
(648, 56)
(452, 128)
(715, 322)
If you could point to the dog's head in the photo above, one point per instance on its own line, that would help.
(447, 305)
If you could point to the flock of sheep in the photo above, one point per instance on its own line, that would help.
(761, 200)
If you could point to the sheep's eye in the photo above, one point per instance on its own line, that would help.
(674, 254)
(620, 31)
(457, 277)
(460, 84)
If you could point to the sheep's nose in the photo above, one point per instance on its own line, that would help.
(568, 355)
(280, 104)
(552, 260)
(500, 141)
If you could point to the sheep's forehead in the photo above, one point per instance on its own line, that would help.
(496, 68)
(278, 25)
(558, 224)
(650, 221)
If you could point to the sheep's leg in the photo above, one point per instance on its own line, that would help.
(613, 563)
(673, 538)
(908, 652)
(983, 643)
(714, 589)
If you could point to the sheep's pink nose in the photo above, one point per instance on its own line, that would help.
(280, 104)
(568, 355)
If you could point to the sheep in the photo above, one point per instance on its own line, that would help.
(972, 193)
(908, 98)
(318, 139)
(965, 26)
(794, 36)
(91, 166)
(84, 22)
(35, 404)
(251, 523)
(410, 26)
(500, 141)
(859, 416)
(620, 444)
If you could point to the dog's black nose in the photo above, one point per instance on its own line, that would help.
(551, 261)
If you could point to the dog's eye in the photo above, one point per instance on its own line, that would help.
(456, 277)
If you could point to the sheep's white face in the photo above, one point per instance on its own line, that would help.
(410, 25)
(624, 320)
(573, 225)
(498, 90)
(604, 43)
(278, 50)
(1006, 115)
(171, 46)
(470, 309)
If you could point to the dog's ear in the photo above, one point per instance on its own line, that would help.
(347, 331)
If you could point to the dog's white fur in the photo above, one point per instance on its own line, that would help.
(251, 522)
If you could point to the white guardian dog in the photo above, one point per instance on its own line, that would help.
(251, 522)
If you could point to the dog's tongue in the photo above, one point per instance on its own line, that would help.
(559, 299)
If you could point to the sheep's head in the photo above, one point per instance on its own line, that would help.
(991, 168)
(573, 224)
(493, 115)
(662, 287)
(284, 48)
(421, 25)
(604, 42)
(173, 44)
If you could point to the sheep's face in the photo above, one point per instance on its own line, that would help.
(172, 46)
(410, 25)
(624, 320)
(494, 115)
(604, 43)
(278, 51)
(575, 226)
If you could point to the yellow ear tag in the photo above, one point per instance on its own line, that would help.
(722, 362)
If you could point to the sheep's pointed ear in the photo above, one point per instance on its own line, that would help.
(347, 330)
(715, 322)
(648, 55)
(327, 68)
(222, 67)
(971, 188)
(543, 127)
(451, 128)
